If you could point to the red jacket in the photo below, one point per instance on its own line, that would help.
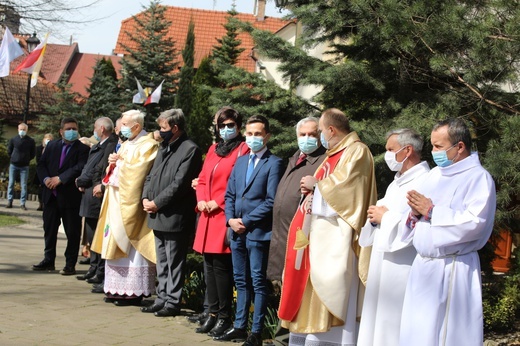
(211, 229)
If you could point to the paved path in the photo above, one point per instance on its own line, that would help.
(50, 309)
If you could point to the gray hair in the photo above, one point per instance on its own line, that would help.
(106, 123)
(173, 117)
(24, 125)
(135, 115)
(407, 137)
(306, 120)
(458, 131)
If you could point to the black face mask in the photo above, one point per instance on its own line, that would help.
(166, 136)
(121, 137)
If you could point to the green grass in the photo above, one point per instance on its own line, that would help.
(9, 220)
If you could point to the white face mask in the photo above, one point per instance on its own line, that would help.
(391, 161)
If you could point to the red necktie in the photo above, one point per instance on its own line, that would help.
(301, 158)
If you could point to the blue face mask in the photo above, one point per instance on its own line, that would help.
(307, 144)
(226, 133)
(22, 133)
(441, 157)
(96, 136)
(70, 135)
(255, 143)
(324, 142)
(126, 131)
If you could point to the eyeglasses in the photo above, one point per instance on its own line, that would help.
(228, 125)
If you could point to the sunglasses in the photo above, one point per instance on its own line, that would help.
(228, 125)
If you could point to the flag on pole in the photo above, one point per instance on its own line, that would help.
(155, 96)
(140, 97)
(9, 50)
(33, 62)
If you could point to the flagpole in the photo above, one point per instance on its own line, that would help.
(32, 43)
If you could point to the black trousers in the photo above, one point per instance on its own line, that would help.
(219, 283)
(52, 218)
(97, 264)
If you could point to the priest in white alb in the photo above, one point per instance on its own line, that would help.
(391, 258)
(451, 218)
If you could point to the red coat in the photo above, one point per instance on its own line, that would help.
(211, 229)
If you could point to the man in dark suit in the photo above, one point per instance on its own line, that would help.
(58, 168)
(249, 212)
(170, 203)
(90, 203)
(305, 161)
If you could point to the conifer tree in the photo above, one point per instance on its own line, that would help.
(201, 117)
(154, 59)
(64, 104)
(183, 100)
(104, 97)
(411, 63)
(250, 94)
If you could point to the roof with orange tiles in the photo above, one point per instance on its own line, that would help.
(81, 70)
(208, 28)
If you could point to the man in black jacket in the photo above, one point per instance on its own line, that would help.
(90, 203)
(58, 168)
(170, 203)
(21, 149)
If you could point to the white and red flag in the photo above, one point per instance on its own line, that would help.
(33, 62)
(155, 96)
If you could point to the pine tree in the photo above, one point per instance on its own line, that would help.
(183, 100)
(411, 63)
(64, 104)
(153, 60)
(104, 96)
(250, 94)
(201, 117)
(228, 49)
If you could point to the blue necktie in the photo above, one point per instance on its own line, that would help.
(250, 167)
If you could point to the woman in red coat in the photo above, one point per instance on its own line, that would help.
(210, 239)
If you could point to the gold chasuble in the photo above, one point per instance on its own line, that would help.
(113, 241)
(335, 260)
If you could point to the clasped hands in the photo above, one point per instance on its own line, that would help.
(375, 213)
(307, 184)
(207, 207)
(149, 206)
(52, 182)
(420, 204)
(237, 225)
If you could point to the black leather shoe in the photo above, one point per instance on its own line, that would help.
(95, 280)
(87, 275)
(43, 265)
(84, 261)
(98, 285)
(108, 300)
(220, 327)
(232, 334)
(152, 308)
(167, 311)
(254, 339)
(97, 288)
(23, 207)
(128, 302)
(208, 325)
(198, 318)
(68, 271)
(9, 205)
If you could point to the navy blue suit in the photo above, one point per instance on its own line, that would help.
(253, 203)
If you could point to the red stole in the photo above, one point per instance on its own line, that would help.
(297, 265)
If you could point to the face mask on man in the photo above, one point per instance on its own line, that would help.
(126, 132)
(22, 133)
(166, 136)
(441, 157)
(70, 135)
(96, 136)
(46, 142)
(391, 161)
(255, 143)
(228, 133)
(324, 141)
(307, 144)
